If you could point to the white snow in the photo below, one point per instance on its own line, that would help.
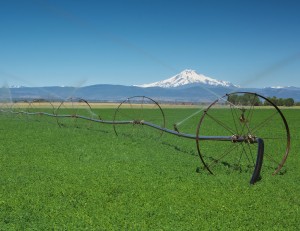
(16, 86)
(280, 87)
(277, 87)
(187, 77)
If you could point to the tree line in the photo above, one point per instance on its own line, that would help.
(250, 99)
(280, 101)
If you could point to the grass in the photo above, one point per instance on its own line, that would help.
(72, 178)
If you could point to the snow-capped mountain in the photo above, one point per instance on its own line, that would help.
(191, 92)
(280, 87)
(16, 86)
(187, 78)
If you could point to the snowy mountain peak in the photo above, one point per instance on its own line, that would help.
(187, 77)
(17, 86)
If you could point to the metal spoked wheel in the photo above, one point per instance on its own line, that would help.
(241, 114)
(136, 112)
(75, 112)
(41, 110)
(19, 109)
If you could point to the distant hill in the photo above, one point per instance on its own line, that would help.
(106, 92)
(187, 86)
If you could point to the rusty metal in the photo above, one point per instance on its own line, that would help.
(139, 104)
(242, 128)
(74, 105)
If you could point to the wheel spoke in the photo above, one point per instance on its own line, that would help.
(249, 152)
(235, 118)
(264, 123)
(251, 112)
(246, 121)
(220, 123)
(126, 115)
(226, 153)
(271, 158)
(142, 108)
(134, 108)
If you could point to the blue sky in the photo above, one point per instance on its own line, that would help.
(253, 43)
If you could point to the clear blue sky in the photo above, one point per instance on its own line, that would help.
(253, 43)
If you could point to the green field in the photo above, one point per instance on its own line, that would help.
(81, 176)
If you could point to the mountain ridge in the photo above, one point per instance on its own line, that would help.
(187, 78)
(107, 92)
(187, 86)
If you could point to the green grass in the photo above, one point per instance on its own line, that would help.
(73, 178)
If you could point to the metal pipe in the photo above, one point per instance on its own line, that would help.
(142, 122)
(259, 160)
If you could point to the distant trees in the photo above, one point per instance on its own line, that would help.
(280, 101)
(244, 99)
(250, 99)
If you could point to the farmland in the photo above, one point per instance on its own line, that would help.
(81, 176)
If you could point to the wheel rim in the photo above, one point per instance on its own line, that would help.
(19, 109)
(136, 110)
(69, 112)
(39, 108)
(239, 114)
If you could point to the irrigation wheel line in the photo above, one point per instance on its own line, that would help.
(238, 115)
(76, 108)
(241, 127)
(41, 108)
(137, 111)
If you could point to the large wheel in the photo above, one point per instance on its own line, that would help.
(240, 114)
(19, 109)
(41, 110)
(76, 113)
(136, 110)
